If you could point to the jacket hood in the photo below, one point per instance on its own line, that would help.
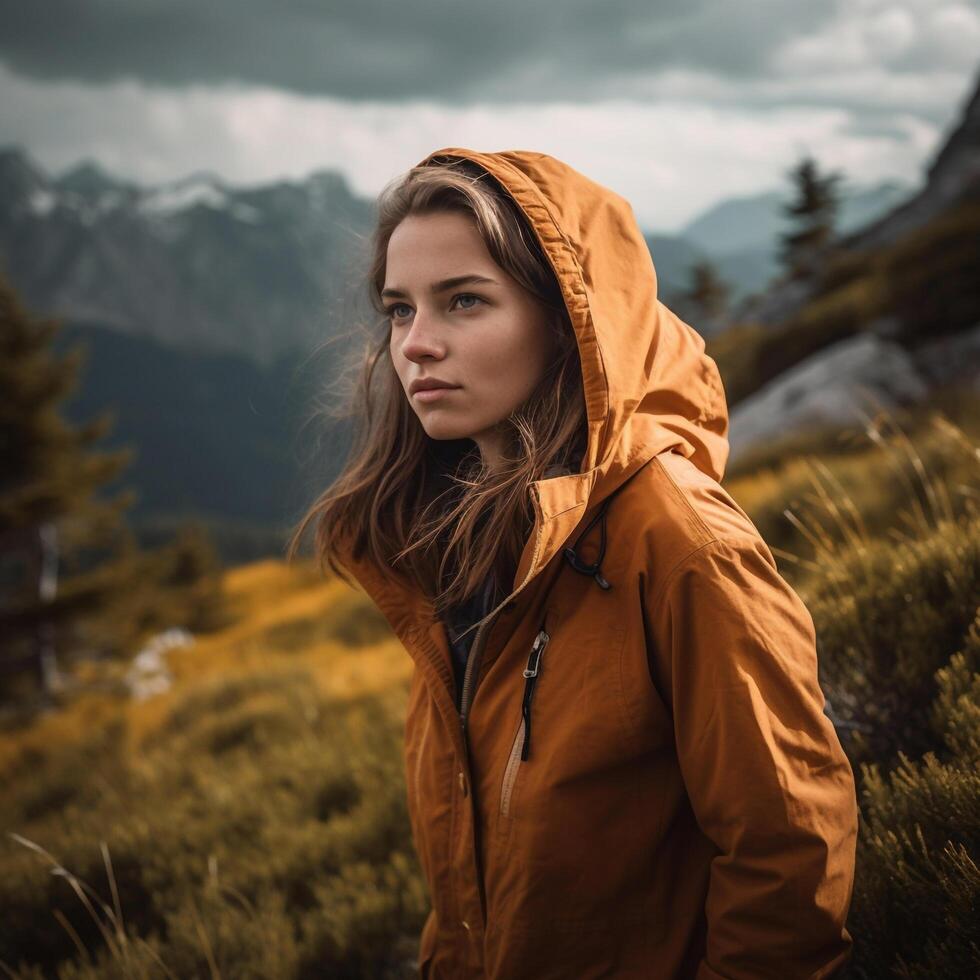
(649, 385)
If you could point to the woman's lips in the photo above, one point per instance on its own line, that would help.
(432, 394)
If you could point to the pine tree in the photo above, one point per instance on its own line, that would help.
(813, 212)
(708, 293)
(73, 581)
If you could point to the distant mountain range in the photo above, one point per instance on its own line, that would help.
(201, 302)
(193, 264)
(202, 266)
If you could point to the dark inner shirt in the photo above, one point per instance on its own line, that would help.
(463, 616)
(483, 600)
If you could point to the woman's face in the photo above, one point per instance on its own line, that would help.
(487, 336)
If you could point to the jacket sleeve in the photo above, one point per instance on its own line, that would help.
(766, 775)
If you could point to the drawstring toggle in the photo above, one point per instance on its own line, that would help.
(592, 569)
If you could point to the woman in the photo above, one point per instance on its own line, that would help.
(617, 759)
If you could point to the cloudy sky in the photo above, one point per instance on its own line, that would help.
(674, 103)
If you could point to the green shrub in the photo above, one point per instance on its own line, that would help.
(262, 831)
(899, 475)
(916, 906)
(888, 617)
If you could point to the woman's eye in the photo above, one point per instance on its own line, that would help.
(393, 314)
(391, 309)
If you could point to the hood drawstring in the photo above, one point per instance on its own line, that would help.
(571, 554)
(593, 569)
(541, 640)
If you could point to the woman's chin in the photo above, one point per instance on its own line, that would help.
(444, 430)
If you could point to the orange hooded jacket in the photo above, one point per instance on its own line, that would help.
(641, 781)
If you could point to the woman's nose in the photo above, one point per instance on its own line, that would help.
(422, 339)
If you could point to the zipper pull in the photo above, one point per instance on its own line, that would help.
(540, 641)
(531, 676)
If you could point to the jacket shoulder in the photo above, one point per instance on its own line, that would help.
(679, 509)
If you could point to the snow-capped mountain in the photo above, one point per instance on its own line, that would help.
(194, 263)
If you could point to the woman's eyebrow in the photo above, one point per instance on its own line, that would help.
(441, 287)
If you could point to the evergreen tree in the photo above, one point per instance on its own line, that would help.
(813, 212)
(707, 292)
(54, 531)
(73, 581)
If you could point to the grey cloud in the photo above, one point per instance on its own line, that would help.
(374, 49)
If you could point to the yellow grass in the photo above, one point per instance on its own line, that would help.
(264, 595)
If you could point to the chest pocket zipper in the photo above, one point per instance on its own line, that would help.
(522, 742)
(531, 676)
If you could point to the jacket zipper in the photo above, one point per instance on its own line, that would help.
(522, 741)
(531, 677)
(476, 651)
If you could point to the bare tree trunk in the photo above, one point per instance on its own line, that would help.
(47, 656)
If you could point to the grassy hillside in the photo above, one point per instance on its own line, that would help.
(251, 821)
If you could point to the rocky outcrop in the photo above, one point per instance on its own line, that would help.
(849, 380)
(839, 386)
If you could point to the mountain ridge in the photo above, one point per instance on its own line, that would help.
(268, 267)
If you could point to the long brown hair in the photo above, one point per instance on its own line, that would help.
(432, 510)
